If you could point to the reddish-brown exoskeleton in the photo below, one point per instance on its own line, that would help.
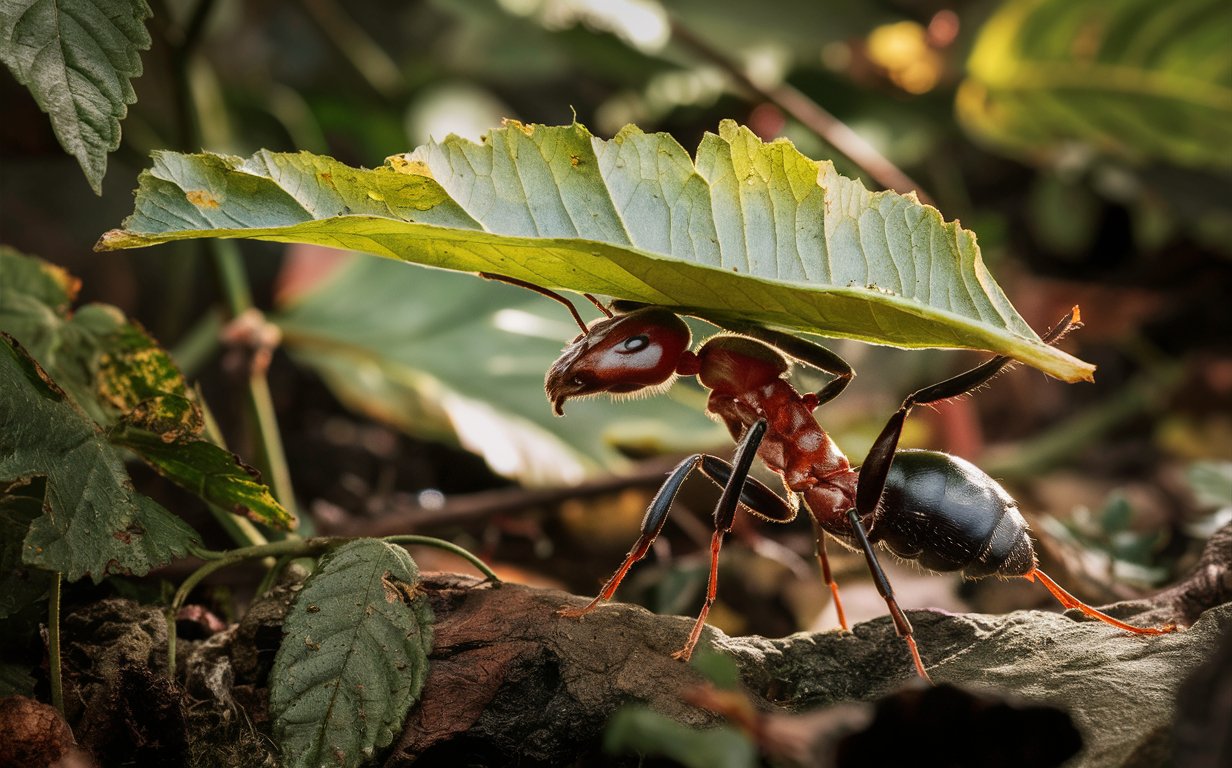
(936, 509)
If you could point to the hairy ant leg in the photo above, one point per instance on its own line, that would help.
(876, 468)
(738, 488)
(809, 353)
(877, 464)
(901, 625)
(826, 575)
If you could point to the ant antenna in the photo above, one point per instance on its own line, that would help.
(607, 312)
(550, 294)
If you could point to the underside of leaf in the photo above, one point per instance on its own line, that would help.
(745, 232)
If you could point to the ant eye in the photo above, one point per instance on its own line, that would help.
(636, 343)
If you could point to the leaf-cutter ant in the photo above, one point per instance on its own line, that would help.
(936, 509)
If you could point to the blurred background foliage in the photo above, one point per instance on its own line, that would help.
(1085, 142)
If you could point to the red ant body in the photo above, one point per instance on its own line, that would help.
(936, 509)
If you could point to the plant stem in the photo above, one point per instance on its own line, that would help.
(53, 645)
(811, 115)
(287, 549)
(431, 541)
(295, 547)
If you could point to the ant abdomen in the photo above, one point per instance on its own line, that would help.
(949, 515)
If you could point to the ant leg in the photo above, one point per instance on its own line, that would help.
(652, 524)
(825, 572)
(876, 465)
(1069, 601)
(756, 496)
(724, 514)
(808, 353)
(901, 624)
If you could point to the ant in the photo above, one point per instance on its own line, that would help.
(936, 509)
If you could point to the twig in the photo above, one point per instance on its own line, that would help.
(809, 114)
(484, 504)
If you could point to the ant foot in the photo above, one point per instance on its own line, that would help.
(683, 654)
(570, 612)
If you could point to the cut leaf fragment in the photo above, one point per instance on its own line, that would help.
(746, 232)
(353, 659)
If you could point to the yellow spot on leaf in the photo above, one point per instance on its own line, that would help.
(509, 122)
(201, 198)
(405, 165)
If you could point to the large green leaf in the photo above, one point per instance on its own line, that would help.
(1137, 78)
(748, 231)
(122, 379)
(94, 523)
(445, 356)
(78, 57)
(353, 658)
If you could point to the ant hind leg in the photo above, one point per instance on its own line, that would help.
(1069, 601)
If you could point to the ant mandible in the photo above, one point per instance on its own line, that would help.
(936, 509)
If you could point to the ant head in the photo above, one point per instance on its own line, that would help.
(621, 354)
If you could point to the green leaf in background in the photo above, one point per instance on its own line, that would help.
(353, 658)
(445, 356)
(1136, 78)
(1211, 482)
(122, 379)
(78, 57)
(747, 232)
(94, 523)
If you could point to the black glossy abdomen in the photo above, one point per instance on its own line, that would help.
(948, 515)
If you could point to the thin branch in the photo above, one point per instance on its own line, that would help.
(484, 504)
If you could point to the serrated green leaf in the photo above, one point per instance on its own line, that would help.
(749, 232)
(1140, 79)
(353, 659)
(78, 57)
(115, 372)
(20, 585)
(214, 474)
(95, 523)
(642, 730)
(398, 356)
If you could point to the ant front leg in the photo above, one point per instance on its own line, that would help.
(737, 487)
(652, 524)
(808, 353)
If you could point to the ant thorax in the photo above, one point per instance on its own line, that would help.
(747, 382)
